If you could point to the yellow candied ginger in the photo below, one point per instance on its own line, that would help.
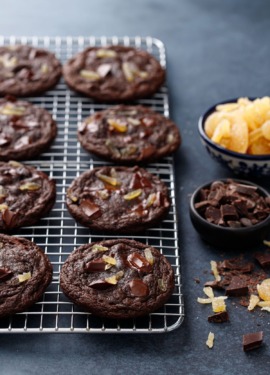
(242, 127)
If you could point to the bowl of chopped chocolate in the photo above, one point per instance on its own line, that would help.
(236, 133)
(231, 213)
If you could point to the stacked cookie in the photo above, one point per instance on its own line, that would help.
(130, 278)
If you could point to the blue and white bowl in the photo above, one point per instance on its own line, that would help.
(254, 165)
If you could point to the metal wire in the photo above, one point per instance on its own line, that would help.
(58, 234)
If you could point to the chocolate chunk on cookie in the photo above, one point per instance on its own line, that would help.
(129, 134)
(26, 195)
(114, 73)
(25, 130)
(25, 273)
(117, 278)
(118, 199)
(27, 70)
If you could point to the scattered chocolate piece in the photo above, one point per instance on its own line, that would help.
(252, 340)
(237, 287)
(197, 280)
(263, 259)
(214, 284)
(232, 204)
(220, 317)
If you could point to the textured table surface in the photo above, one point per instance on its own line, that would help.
(215, 51)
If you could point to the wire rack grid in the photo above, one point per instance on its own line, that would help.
(58, 234)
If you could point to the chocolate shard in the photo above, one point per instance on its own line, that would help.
(236, 264)
(252, 340)
(228, 212)
(237, 287)
(246, 189)
(220, 317)
(263, 259)
(212, 215)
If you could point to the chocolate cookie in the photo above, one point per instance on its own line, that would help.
(26, 70)
(129, 134)
(114, 73)
(25, 273)
(26, 195)
(25, 130)
(118, 199)
(117, 278)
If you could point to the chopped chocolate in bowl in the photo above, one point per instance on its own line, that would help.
(231, 212)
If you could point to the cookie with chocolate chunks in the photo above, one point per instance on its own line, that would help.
(118, 278)
(26, 195)
(118, 199)
(25, 129)
(114, 73)
(27, 70)
(129, 134)
(25, 273)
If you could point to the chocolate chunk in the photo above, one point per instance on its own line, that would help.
(220, 317)
(236, 264)
(215, 284)
(263, 259)
(96, 265)
(100, 284)
(138, 288)
(228, 212)
(90, 208)
(232, 204)
(212, 215)
(139, 262)
(237, 287)
(252, 340)
(5, 273)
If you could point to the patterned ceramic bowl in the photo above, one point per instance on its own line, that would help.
(253, 165)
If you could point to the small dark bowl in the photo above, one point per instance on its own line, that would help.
(253, 165)
(226, 237)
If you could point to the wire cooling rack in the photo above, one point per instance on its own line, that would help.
(58, 234)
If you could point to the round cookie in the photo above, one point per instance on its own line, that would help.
(25, 130)
(118, 199)
(26, 195)
(117, 278)
(114, 73)
(129, 134)
(25, 273)
(27, 70)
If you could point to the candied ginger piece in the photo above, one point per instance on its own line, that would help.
(209, 291)
(264, 290)
(222, 130)
(266, 130)
(218, 304)
(215, 270)
(227, 107)
(239, 136)
(259, 147)
(253, 302)
(210, 340)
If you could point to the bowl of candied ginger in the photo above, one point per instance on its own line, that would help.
(237, 134)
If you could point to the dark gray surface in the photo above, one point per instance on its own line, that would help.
(216, 50)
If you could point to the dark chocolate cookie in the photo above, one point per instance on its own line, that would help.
(117, 278)
(25, 130)
(26, 195)
(25, 273)
(114, 73)
(129, 134)
(118, 199)
(26, 70)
